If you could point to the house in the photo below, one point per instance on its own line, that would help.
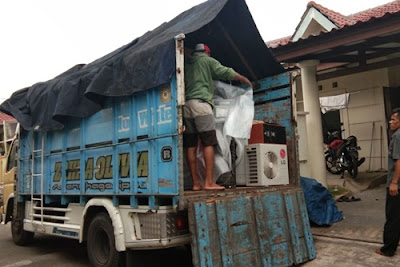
(332, 54)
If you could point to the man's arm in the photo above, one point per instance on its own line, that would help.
(221, 72)
(394, 187)
(242, 79)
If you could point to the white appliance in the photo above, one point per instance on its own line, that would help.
(221, 109)
(240, 162)
(266, 165)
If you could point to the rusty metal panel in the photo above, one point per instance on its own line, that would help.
(203, 225)
(309, 242)
(264, 229)
(274, 81)
(273, 103)
(276, 112)
(238, 229)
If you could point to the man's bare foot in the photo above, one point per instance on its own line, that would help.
(213, 187)
(196, 188)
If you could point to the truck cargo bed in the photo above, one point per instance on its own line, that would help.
(243, 190)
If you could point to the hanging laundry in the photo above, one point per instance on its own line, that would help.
(336, 102)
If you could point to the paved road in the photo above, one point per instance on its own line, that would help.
(45, 251)
(352, 241)
(363, 220)
(347, 253)
(61, 252)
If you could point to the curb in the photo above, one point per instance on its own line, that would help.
(355, 187)
(377, 181)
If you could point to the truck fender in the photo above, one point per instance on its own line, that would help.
(8, 216)
(116, 220)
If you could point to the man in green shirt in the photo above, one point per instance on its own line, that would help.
(200, 71)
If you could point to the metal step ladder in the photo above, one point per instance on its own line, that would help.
(37, 176)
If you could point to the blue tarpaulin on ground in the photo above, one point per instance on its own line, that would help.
(321, 207)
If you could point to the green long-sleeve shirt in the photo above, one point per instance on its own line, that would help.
(200, 71)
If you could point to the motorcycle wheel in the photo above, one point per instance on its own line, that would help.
(331, 165)
(353, 168)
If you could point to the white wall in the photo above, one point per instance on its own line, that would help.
(365, 115)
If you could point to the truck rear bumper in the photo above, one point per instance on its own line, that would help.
(159, 243)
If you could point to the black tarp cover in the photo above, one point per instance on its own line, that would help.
(148, 61)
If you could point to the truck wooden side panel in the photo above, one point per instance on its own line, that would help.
(273, 103)
(128, 149)
(263, 229)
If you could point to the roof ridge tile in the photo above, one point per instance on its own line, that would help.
(337, 18)
(376, 12)
(344, 21)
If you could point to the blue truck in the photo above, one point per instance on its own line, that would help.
(101, 158)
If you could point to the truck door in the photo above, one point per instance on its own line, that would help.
(8, 171)
(263, 229)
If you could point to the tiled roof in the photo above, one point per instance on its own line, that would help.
(377, 12)
(342, 21)
(5, 117)
(338, 19)
(279, 42)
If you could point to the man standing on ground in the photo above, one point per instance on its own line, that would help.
(200, 71)
(391, 232)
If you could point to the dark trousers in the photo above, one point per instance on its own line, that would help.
(391, 232)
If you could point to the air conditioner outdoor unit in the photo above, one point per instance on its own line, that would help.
(266, 165)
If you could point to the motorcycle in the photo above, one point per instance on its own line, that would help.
(342, 155)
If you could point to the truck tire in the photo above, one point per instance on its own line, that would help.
(101, 242)
(19, 235)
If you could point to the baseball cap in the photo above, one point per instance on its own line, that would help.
(202, 48)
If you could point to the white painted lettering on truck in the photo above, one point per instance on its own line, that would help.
(164, 116)
(142, 116)
(124, 125)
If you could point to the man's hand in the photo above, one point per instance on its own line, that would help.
(243, 79)
(247, 81)
(393, 189)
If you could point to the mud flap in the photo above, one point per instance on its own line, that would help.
(263, 229)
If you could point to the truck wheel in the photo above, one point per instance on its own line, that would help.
(101, 242)
(19, 235)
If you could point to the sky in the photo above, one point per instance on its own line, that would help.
(40, 39)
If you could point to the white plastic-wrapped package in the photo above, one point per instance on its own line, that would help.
(222, 157)
(233, 113)
(239, 117)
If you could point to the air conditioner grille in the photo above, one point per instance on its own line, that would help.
(252, 166)
(266, 165)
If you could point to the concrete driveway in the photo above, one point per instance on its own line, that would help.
(352, 241)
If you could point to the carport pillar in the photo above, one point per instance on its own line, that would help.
(313, 120)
